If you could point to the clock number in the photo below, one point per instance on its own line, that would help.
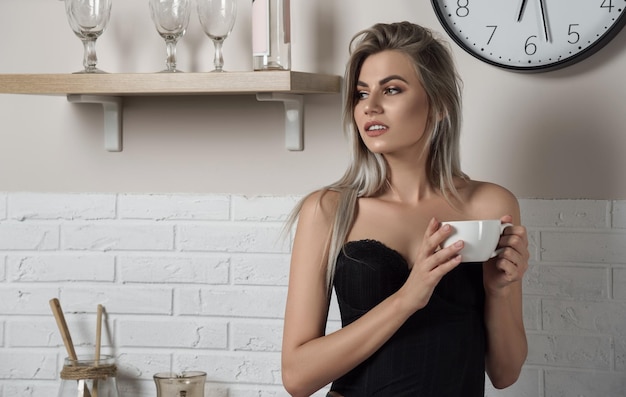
(607, 4)
(494, 27)
(574, 35)
(529, 47)
(531, 35)
(462, 9)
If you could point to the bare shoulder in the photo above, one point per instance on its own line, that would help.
(488, 200)
(318, 209)
(320, 204)
(310, 245)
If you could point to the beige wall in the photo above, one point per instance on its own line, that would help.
(560, 134)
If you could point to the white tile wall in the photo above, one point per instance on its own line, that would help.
(199, 282)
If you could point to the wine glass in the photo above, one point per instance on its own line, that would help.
(217, 18)
(88, 19)
(170, 18)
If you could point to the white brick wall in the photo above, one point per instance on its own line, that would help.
(199, 282)
(574, 300)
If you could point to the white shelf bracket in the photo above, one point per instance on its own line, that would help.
(294, 117)
(112, 107)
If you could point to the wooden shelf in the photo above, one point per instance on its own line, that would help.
(144, 84)
(109, 89)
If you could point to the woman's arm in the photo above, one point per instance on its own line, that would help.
(506, 338)
(310, 359)
(502, 277)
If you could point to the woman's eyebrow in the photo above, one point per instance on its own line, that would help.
(392, 77)
(383, 81)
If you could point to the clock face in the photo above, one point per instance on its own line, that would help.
(531, 35)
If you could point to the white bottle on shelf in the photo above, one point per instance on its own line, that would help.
(271, 35)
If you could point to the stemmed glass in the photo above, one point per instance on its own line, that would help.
(217, 18)
(170, 18)
(88, 19)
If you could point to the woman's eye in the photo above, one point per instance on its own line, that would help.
(392, 90)
(361, 95)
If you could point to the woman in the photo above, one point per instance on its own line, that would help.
(416, 320)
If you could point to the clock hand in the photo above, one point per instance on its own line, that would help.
(543, 19)
(521, 10)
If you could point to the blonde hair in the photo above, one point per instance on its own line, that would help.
(366, 175)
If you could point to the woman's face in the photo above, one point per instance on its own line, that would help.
(391, 112)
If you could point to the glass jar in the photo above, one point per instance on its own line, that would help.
(186, 384)
(88, 377)
(271, 35)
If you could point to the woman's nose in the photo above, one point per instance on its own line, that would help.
(372, 104)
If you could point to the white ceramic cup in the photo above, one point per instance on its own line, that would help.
(480, 238)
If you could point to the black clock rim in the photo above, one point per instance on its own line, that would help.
(586, 53)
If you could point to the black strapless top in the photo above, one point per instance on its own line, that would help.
(438, 352)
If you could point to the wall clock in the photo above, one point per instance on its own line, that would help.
(531, 35)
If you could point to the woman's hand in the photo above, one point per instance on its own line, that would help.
(511, 263)
(507, 347)
(430, 265)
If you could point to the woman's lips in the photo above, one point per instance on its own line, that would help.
(374, 129)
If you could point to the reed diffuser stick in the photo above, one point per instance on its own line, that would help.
(55, 305)
(98, 343)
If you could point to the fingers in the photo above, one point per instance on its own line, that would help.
(433, 226)
(514, 255)
(447, 258)
(514, 241)
(431, 264)
(435, 235)
(431, 256)
(506, 219)
(512, 264)
(516, 238)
